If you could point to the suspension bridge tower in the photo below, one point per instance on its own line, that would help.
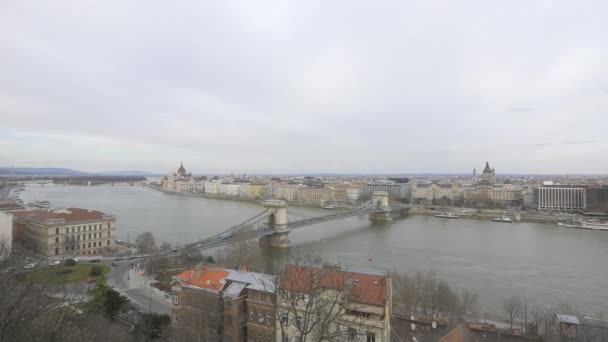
(276, 220)
(380, 202)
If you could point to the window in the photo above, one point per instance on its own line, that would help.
(371, 337)
(285, 338)
(260, 317)
(57, 251)
(268, 318)
(108, 242)
(94, 244)
(251, 315)
(67, 230)
(352, 334)
(79, 229)
(299, 322)
(66, 248)
(175, 300)
(57, 240)
(57, 231)
(285, 319)
(84, 245)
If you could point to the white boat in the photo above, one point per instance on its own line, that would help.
(505, 219)
(42, 204)
(328, 206)
(447, 215)
(584, 225)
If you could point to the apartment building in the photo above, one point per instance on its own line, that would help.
(344, 304)
(66, 232)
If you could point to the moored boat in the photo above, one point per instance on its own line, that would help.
(505, 219)
(447, 215)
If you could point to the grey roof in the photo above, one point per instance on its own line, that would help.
(567, 319)
(235, 289)
(255, 281)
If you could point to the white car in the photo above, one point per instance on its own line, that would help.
(54, 262)
(29, 266)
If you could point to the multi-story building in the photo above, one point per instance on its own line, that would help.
(216, 304)
(560, 197)
(597, 198)
(398, 191)
(286, 192)
(183, 181)
(198, 309)
(315, 195)
(67, 232)
(228, 189)
(212, 186)
(349, 305)
(435, 193)
(486, 192)
(352, 193)
(257, 191)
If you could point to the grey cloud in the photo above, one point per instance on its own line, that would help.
(304, 86)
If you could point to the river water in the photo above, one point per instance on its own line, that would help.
(544, 263)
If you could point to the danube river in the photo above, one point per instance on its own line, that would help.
(544, 263)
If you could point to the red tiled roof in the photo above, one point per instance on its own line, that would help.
(362, 288)
(207, 278)
(69, 214)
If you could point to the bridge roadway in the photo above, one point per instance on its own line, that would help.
(246, 233)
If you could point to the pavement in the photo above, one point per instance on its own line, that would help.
(129, 281)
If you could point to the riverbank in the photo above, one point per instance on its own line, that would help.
(241, 199)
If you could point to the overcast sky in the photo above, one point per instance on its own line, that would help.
(305, 86)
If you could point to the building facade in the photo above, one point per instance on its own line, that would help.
(67, 232)
(435, 193)
(397, 191)
(343, 304)
(560, 198)
(183, 181)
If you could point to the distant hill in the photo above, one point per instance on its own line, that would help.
(59, 171)
(40, 171)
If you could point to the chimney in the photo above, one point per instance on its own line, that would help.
(198, 271)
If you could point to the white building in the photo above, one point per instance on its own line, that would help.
(212, 186)
(561, 197)
(183, 181)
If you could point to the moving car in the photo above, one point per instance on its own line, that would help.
(29, 266)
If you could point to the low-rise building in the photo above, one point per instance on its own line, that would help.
(67, 232)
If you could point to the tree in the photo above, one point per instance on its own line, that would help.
(36, 309)
(146, 242)
(96, 271)
(107, 300)
(468, 302)
(311, 299)
(151, 326)
(165, 246)
(512, 307)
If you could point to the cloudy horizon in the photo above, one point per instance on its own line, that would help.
(305, 87)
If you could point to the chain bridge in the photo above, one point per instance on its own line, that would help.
(272, 226)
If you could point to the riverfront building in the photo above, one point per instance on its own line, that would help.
(66, 232)
(183, 181)
(560, 197)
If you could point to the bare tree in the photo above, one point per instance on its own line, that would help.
(146, 242)
(468, 302)
(165, 246)
(512, 307)
(315, 302)
(34, 310)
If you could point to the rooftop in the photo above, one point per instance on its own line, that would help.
(65, 215)
(204, 277)
(363, 287)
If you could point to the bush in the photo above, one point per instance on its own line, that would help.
(70, 262)
(96, 271)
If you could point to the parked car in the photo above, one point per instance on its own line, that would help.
(95, 260)
(91, 280)
(54, 262)
(29, 266)
(114, 264)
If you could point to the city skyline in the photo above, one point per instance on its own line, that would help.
(305, 87)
